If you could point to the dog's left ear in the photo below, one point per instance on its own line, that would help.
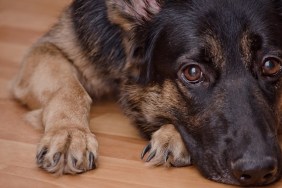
(133, 17)
(131, 13)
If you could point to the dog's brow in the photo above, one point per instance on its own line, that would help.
(215, 50)
(246, 48)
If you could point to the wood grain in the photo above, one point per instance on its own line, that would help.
(22, 22)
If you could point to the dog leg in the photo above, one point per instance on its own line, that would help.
(167, 148)
(48, 84)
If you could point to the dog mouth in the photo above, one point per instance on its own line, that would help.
(227, 179)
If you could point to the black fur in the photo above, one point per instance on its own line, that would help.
(93, 27)
(233, 114)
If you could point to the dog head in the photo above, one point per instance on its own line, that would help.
(223, 60)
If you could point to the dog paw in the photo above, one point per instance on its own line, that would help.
(166, 148)
(67, 151)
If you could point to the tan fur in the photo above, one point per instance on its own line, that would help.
(152, 100)
(160, 98)
(49, 83)
(246, 43)
(167, 139)
(215, 50)
(89, 78)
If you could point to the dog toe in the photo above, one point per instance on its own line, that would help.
(91, 161)
(146, 150)
(40, 155)
(47, 160)
(67, 151)
(166, 148)
(56, 157)
(151, 156)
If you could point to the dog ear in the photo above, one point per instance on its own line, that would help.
(131, 13)
(133, 17)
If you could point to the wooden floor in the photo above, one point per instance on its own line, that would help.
(21, 23)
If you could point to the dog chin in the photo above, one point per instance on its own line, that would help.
(226, 178)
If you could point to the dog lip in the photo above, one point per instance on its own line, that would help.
(233, 181)
(230, 180)
(225, 180)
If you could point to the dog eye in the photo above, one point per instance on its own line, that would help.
(193, 73)
(271, 66)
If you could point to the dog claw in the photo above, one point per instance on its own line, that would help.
(57, 157)
(41, 154)
(74, 161)
(151, 156)
(146, 149)
(167, 154)
(92, 164)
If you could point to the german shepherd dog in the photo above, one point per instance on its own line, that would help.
(200, 78)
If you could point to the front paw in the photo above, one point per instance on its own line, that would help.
(166, 148)
(67, 151)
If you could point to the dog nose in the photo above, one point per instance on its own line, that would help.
(255, 172)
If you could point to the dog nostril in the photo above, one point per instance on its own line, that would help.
(245, 177)
(255, 172)
(268, 176)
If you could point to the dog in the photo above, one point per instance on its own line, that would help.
(201, 79)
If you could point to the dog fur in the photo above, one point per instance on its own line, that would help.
(99, 47)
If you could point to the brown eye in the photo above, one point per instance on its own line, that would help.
(271, 66)
(193, 73)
